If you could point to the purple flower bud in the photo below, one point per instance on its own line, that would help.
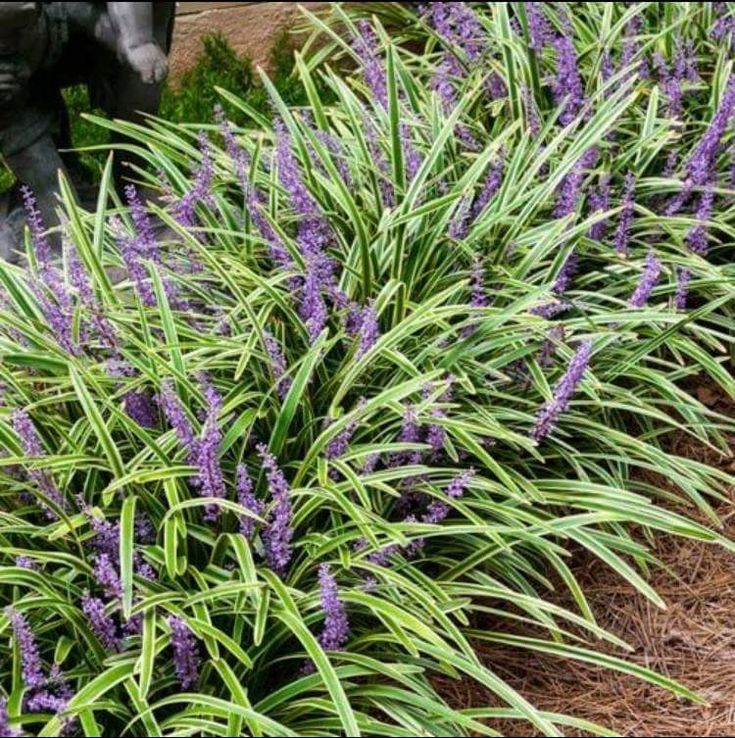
(186, 653)
(23, 562)
(563, 392)
(622, 233)
(336, 628)
(201, 188)
(651, 273)
(279, 533)
(566, 273)
(101, 624)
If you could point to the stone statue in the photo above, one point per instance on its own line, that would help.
(117, 49)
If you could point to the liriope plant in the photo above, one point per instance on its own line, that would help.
(344, 396)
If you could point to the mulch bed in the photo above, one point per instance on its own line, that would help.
(692, 640)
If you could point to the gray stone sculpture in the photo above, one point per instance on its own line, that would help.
(117, 49)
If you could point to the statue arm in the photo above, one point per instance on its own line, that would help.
(133, 23)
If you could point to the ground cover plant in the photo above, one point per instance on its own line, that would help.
(284, 443)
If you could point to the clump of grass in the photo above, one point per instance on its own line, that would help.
(394, 359)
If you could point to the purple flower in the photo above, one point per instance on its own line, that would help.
(5, 729)
(186, 653)
(30, 656)
(533, 121)
(201, 189)
(701, 163)
(490, 187)
(369, 329)
(651, 273)
(101, 624)
(107, 576)
(697, 237)
(459, 27)
(80, 281)
(278, 364)
(336, 628)
(599, 201)
(279, 533)
(546, 354)
(539, 29)
(246, 497)
(255, 202)
(139, 406)
(566, 273)
(366, 48)
(179, 421)
(37, 227)
(23, 426)
(210, 479)
(683, 277)
(240, 158)
(567, 86)
(132, 249)
(622, 233)
(23, 562)
(671, 80)
(563, 392)
(549, 309)
(339, 444)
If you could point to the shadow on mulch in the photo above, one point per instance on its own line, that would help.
(691, 641)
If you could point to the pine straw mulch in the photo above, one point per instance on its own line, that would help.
(692, 641)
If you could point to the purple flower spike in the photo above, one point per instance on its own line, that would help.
(5, 729)
(107, 576)
(179, 421)
(651, 273)
(240, 157)
(246, 497)
(369, 329)
(23, 426)
(186, 653)
(336, 628)
(490, 187)
(683, 277)
(539, 28)
(279, 533)
(567, 86)
(101, 624)
(563, 393)
(201, 189)
(37, 227)
(30, 656)
(366, 47)
(701, 163)
(278, 364)
(211, 481)
(599, 202)
(139, 406)
(622, 234)
(697, 236)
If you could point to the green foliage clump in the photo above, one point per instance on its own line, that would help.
(279, 448)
